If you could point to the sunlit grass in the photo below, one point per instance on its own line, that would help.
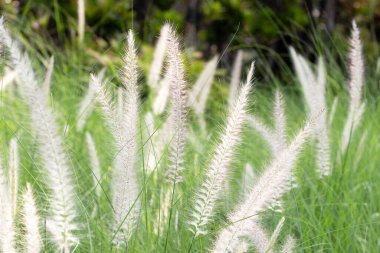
(339, 213)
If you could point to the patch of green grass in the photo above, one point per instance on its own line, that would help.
(340, 213)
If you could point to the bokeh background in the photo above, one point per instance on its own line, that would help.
(208, 26)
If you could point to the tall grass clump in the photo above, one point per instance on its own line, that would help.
(62, 223)
(148, 176)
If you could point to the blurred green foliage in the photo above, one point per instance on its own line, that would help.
(210, 22)
(265, 29)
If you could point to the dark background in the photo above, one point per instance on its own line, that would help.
(208, 26)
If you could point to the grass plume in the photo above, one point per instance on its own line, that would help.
(125, 190)
(7, 224)
(355, 86)
(269, 187)
(217, 172)
(177, 118)
(314, 89)
(31, 221)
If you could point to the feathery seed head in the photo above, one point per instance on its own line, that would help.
(280, 123)
(31, 222)
(177, 117)
(158, 57)
(356, 66)
(199, 94)
(130, 73)
(125, 189)
(275, 234)
(275, 138)
(289, 245)
(314, 89)
(269, 187)
(217, 171)
(160, 102)
(235, 78)
(355, 84)
(107, 105)
(49, 72)
(87, 104)
(13, 172)
(7, 226)
(94, 163)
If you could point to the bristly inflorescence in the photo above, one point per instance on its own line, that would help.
(33, 241)
(200, 92)
(235, 78)
(177, 118)
(125, 190)
(314, 88)
(217, 172)
(87, 104)
(7, 222)
(355, 86)
(94, 163)
(13, 173)
(269, 187)
(276, 138)
(159, 57)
